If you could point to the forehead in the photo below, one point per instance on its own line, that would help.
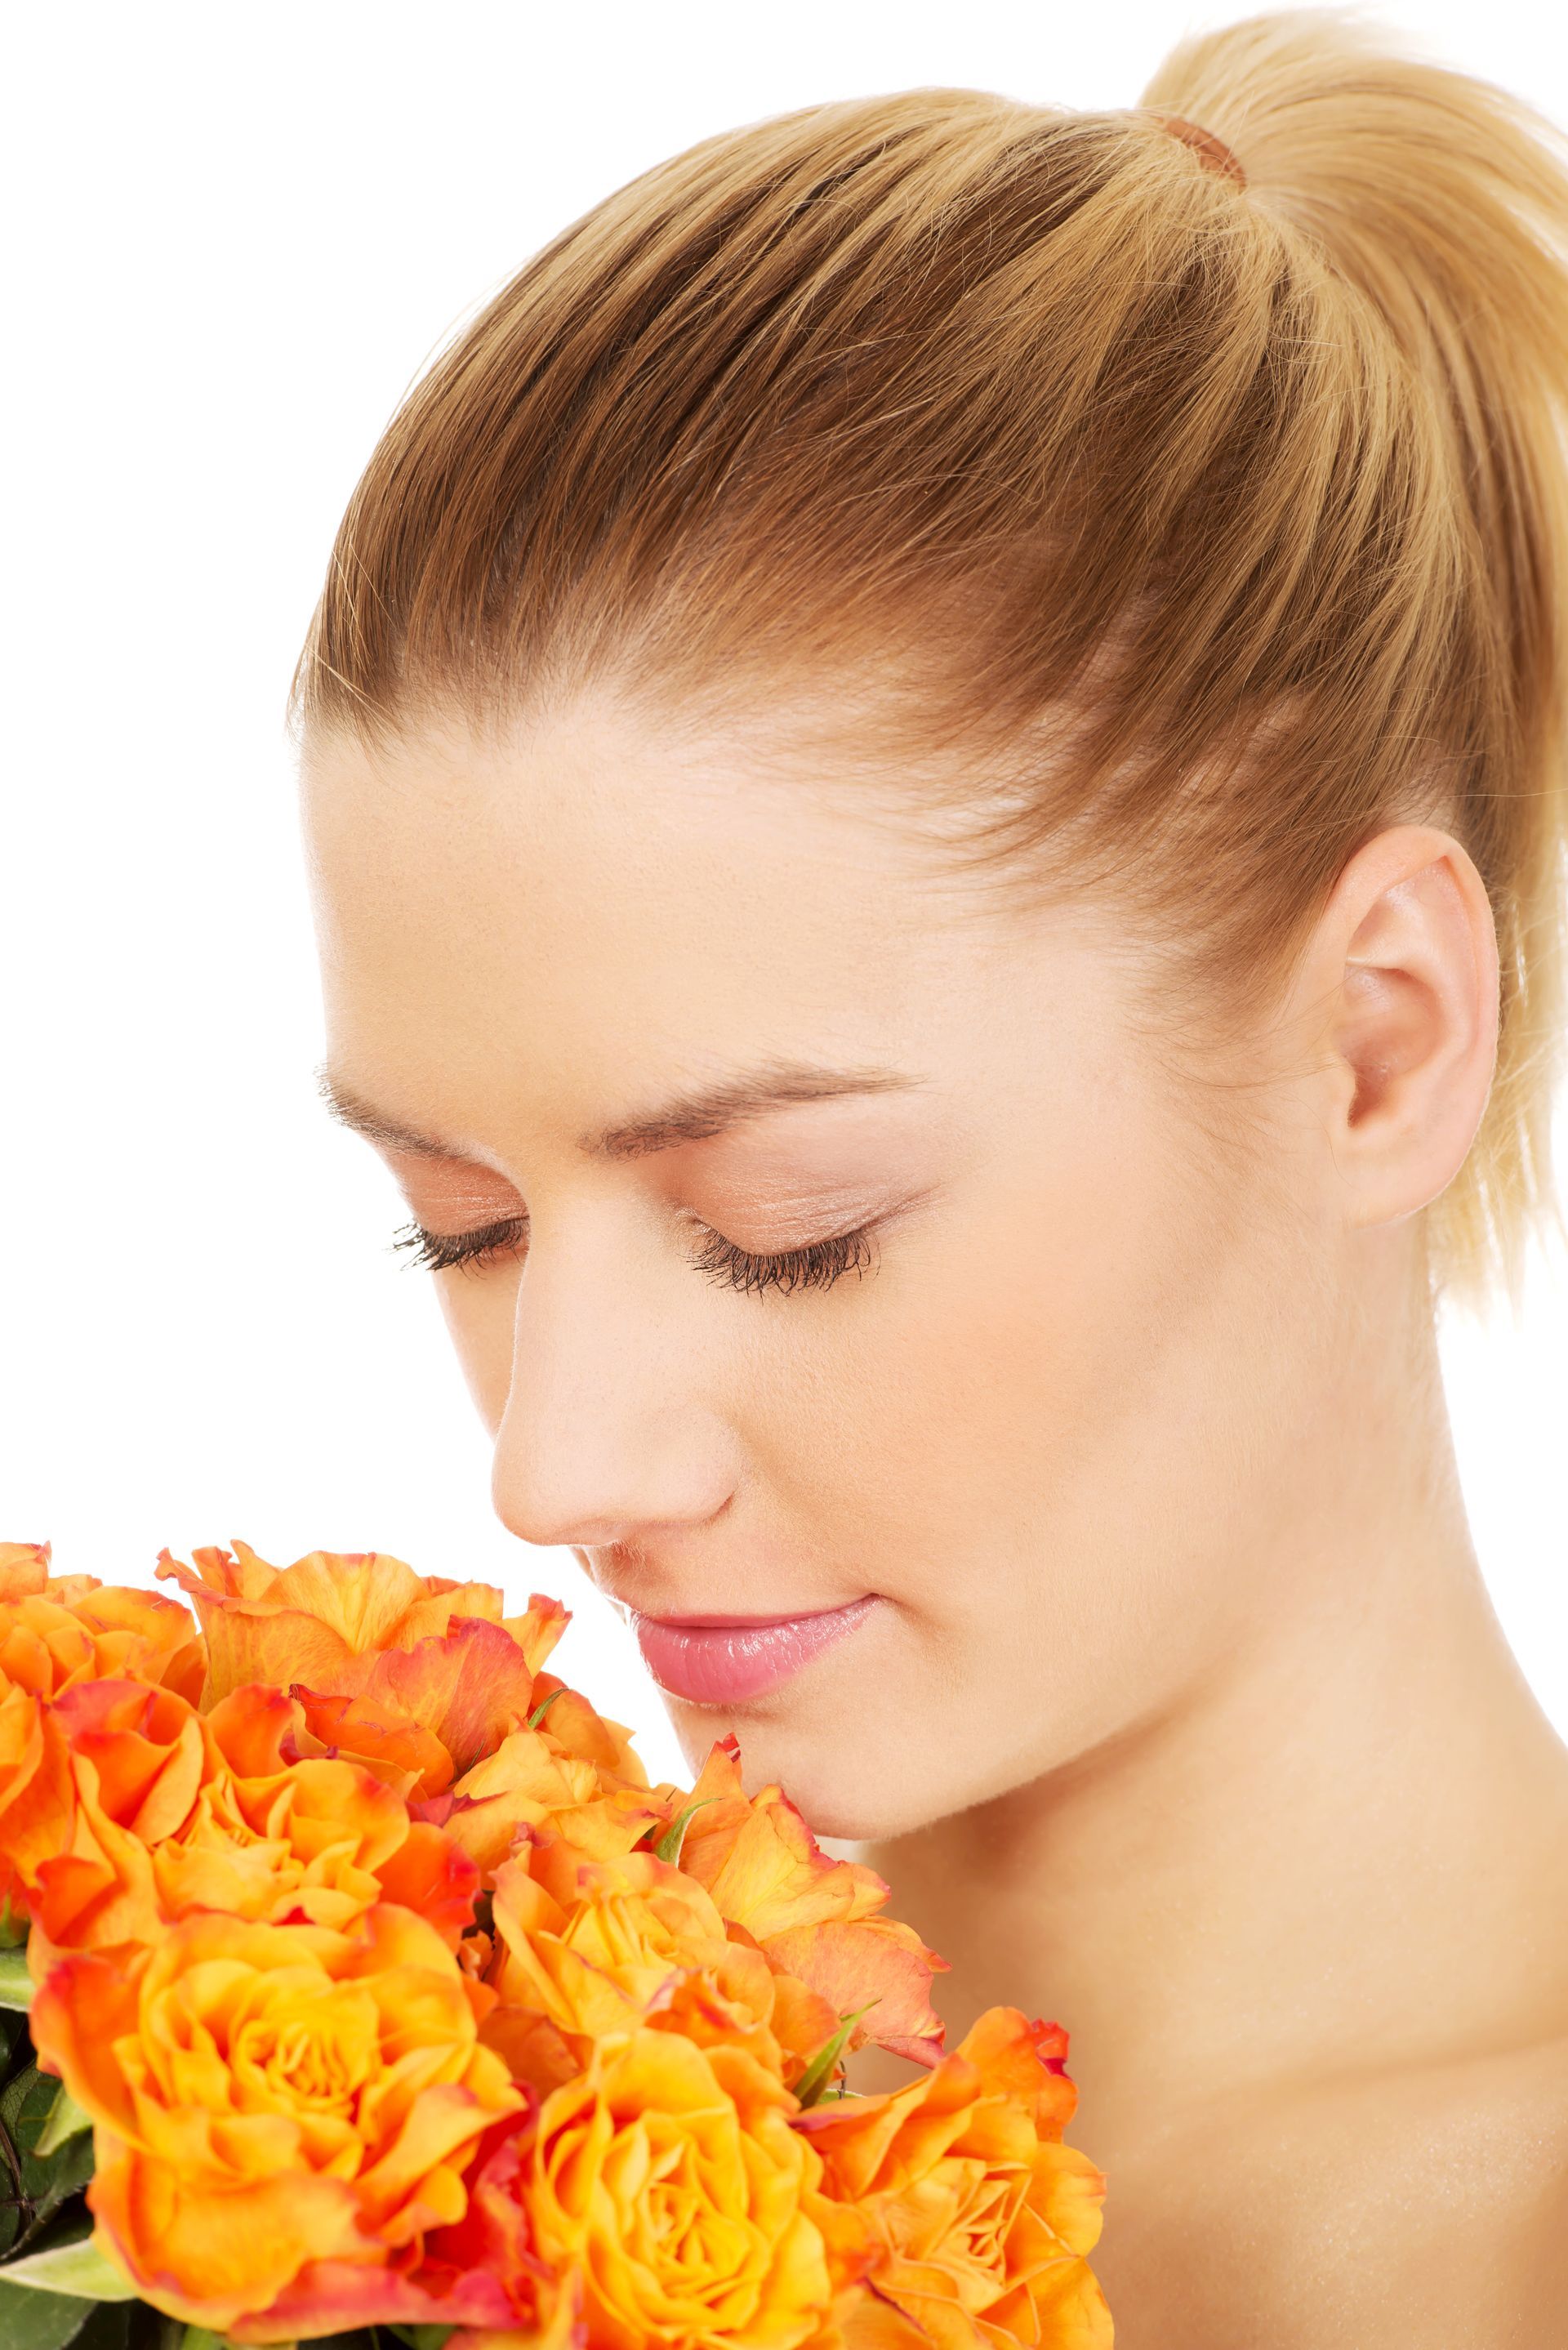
(594, 886)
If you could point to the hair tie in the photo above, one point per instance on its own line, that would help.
(1213, 151)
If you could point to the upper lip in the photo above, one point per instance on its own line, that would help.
(607, 1571)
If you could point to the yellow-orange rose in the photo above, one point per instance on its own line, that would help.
(136, 1758)
(638, 1942)
(59, 1630)
(169, 1812)
(279, 1831)
(668, 2183)
(535, 1789)
(310, 1621)
(271, 2097)
(575, 1727)
(21, 1566)
(813, 1917)
(58, 1633)
(34, 1796)
(977, 2219)
(419, 1679)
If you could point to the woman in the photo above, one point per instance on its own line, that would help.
(933, 758)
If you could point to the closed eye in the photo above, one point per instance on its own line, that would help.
(447, 1251)
(816, 1265)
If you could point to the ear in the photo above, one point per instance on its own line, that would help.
(1405, 958)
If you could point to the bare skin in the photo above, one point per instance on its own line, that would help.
(1181, 1715)
(1357, 2042)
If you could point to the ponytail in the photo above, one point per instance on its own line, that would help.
(1442, 201)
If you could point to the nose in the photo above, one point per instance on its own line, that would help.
(607, 1431)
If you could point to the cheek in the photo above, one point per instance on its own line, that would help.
(481, 1313)
(1018, 1398)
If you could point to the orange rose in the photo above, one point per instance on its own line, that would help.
(813, 1917)
(432, 1712)
(59, 1630)
(35, 1797)
(420, 1679)
(572, 1726)
(135, 1758)
(437, 1721)
(638, 1943)
(34, 1787)
(976, 2218)
(277, 2108)
(310, 1621)
(24, 1566)
(56, 1633)
(668, 2185)
(280, 1831)
(171, 1812)
(482, 2273)
(535, 1786)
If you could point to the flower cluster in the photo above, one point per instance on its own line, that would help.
(395, 1995)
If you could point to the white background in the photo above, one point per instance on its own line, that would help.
(237, 232)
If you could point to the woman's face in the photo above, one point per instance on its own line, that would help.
(1017, 1449)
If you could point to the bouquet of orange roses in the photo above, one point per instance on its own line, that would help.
(355, 1977)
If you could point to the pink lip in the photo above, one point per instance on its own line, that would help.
(719, 1660)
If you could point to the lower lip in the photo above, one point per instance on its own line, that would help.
(721, 1664)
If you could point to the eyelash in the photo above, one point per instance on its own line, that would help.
(815, 1266)
(448, 1252)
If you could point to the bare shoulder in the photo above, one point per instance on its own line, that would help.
(1417, 2210)
(1475, 2208)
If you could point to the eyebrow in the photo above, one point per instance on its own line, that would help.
(695, 1117)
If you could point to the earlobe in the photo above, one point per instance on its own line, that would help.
(1413, 1030)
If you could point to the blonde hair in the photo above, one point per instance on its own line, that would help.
(1242, 452)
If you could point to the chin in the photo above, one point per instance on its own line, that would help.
(858, 1790)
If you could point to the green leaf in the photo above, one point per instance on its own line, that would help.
(67, 2174)
(41, 2183)
(421, 2337)
(16, 1983)
(25, 2108)
(674, 1836)
(816, 2078)
(78, 2268)
(12, 1923)
(535, 1719)
(39, 2321)
(66, 2119)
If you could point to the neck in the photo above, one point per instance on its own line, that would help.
(1280, 1875)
